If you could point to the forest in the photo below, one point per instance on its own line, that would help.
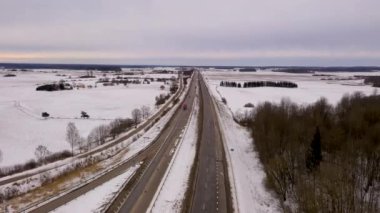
(250, 84)
(319, 157)
(374, 80)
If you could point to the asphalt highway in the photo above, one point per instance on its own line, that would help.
(210, 190)
(142, 193)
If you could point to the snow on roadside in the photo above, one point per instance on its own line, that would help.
(245, 170)
(93, 200)
(173, 187)
(252, 196)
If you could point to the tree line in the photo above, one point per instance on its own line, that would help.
(250, 84)
(374, 80)
(321, 157)
(78, 143)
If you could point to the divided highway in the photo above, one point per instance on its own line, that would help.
(209, 191)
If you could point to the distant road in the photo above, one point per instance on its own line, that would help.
(211, 192)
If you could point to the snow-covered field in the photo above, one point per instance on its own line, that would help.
(22, 129)
(171, 193)
(115, 156)
(310, 88)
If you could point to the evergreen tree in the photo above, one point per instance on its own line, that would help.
(314, 153)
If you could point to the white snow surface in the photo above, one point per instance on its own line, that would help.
(246, 169)
(171, 192)
(22, 129)
(93, 200)
(133, 145)
(310, 88)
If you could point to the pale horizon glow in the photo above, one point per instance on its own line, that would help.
(208, 32)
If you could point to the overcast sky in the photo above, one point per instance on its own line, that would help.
(191, 32)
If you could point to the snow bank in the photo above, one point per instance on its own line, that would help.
(171, 191)
(245, 170)
(94, 200)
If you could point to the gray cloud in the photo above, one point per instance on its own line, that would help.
(249, 32)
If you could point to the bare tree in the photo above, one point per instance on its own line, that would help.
(98, 135)
(116, 127)
(136, 116)
(72, 136)
(41, 153)
(145, 111)
(1, 156)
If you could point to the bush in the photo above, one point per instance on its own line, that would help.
(165, 111)
(175, 101)
(31, 164)
(9, 75)
(173, 88)
(161, 99)
(224, 100)
(249, 105)
(58, 156)
(119, 126)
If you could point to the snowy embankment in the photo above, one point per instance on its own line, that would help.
(245, 170)
(92, 201)
(171, 192)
